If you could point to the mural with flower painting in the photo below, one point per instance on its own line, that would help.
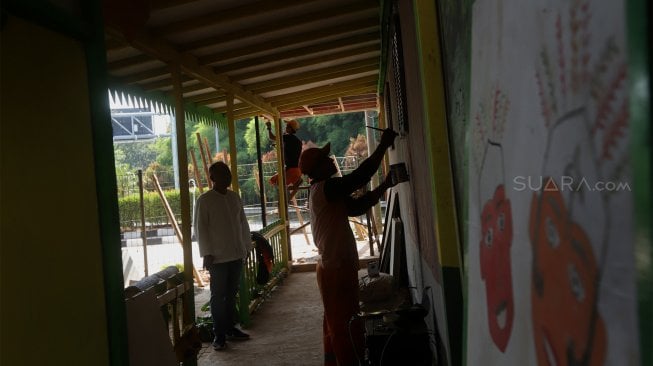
(496, 216)
(582, 94)
(550, 265)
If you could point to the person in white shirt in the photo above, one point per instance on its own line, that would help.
(224, 242)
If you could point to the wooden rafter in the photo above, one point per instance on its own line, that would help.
(280, 24)
(130, 61)
(317, 75)
(364, 39)
(342, 106)
(163, 51)
(336, 87)
(327, 96)
(233, 14)
(213, 97)
(357, 26)
(308, 109)
(323, 81)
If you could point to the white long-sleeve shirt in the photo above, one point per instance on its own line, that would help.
(221, 226)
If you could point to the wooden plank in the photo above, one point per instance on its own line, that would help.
(361, 66)
(196, 172)
(339, 87)
(325, 97)
(165, 52)
(365, 39)
(281, 23)
(173, 222)
(205, 164)
(224, 15)
(208, 151)
(371, 23)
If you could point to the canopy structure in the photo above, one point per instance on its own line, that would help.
(291, 58)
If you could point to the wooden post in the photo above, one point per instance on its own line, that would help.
(196, 172)
(232, 143)
(260, 180)
(175, 226)
(281, 185)
(184, 199)
(143, 228)
(209, 158)
(244, 291)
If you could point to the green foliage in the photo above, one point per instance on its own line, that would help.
(180, 267)
(138, 155)
(163, 148)
(336, 128)
(130, 211)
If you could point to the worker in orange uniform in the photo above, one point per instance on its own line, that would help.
(331, 204)
(292, 148)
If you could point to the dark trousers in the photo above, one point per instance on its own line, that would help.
(225, 281)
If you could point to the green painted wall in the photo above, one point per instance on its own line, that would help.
(53, 304)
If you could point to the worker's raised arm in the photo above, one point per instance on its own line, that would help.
(270, 134)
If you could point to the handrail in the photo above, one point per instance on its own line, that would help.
(251, 293)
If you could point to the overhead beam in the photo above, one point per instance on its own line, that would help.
(299, 114)
(302, 52)
(297, 65)
(213, 97)
(308, 77)
(342, 106)
(280, 24)
(341, 86)
(163, 51)
(147, 74)
(308, 109)
(226, 15)
(327, 96)
(164, 4)
(357, 26)
(325, 80)
(130, 61)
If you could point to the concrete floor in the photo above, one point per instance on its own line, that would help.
(285, 330)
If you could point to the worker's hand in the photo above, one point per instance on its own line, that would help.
(388, 137)
(208, 261)
(268, 124)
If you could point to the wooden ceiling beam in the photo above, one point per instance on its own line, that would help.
(342, 106)
(208, 98)
(324, 97)
(308, 109)
(230, 15)
(318, 79)
(299, 52)
(357, 26)
(317, 75)
(147, 74)
(341, 86)
(129, 61)
(308, 62)
(163, 51)
(280, 24)
(295, 114)
(164, 4)
(195, 87)
(238, 108)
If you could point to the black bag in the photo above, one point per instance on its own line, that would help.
(264, 258)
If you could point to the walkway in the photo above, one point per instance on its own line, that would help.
(285, 330)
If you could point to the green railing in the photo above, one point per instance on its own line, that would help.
(251, 293)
